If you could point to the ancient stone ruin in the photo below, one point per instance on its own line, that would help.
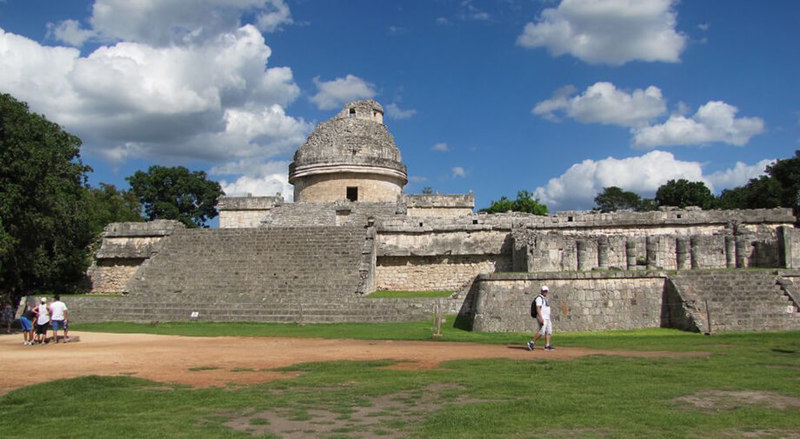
(351, 231)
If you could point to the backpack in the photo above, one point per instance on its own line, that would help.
(533, 306)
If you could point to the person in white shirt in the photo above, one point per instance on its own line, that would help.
(42, 321)
(58, 318)
(542, 306)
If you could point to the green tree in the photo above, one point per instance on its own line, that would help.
(107, 205)
(682, 193)
(613, 198)
(427, 190)
(176, 193)
(525, 202)
(787, 174)
(44, 231)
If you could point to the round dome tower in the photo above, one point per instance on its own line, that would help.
(349, 157)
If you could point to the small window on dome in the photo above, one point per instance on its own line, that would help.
(352, 112)
(352, 193)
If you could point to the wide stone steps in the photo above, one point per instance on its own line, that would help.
(253, 263)
(747, 300)
(354, 310)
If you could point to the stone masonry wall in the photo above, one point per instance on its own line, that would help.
(579, 302)
(431, 273)
(110, 276)
(124, 248)
(333, 187)
(243, 212)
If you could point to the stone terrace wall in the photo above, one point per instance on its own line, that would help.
(419, 254)
(437, 205)
(579, 301)
(340, 213)
(668, 239)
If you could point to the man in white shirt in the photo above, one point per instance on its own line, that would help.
(542, 306)
(58, 318)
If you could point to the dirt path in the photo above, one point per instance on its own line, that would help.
(217, 361)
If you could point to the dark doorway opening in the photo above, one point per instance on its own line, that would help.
(352, 193)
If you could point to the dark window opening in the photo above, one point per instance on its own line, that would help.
(474, 221)
(569, 219)
(679, 216)
(352, 193)
(352, 112)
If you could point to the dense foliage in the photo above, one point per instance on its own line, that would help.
(176, 193)
(525, 202)
(107, 205)
(44, 228)
(682, 193)
(613, 198)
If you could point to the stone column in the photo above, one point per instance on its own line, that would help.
(741, 246)
(651, 246)
(730, 251)
(582, 257)
(694, 251)
(602, 252)
(682, 253)
(630, 253)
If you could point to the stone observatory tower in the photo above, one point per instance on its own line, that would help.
(349, 157)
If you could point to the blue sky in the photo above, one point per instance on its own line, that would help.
(561, 98)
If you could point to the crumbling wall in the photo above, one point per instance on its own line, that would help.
(124, 248)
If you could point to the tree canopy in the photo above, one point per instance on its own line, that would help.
(44, 228)
(525, 202)
(613, 198)
(176, 193)
(682, 193)
(107, 205)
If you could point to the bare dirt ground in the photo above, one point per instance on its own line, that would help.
(218, 361)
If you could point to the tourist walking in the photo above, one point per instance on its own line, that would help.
(58, 318)
(540, 310)
(42, 321)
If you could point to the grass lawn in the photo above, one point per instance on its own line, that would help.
(749, 386)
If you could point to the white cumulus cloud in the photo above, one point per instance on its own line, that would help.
(603, 103)
(334, 94)
(441, 147)
(608, 31)
(739, 175)
(715, 121)
(152, 94)
(458, 172)
(167, 22)
(257, 179)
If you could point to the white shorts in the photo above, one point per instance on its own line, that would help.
(546, 327)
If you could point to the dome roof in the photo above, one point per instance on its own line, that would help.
(356, 136)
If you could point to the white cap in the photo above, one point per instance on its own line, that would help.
(544, 288)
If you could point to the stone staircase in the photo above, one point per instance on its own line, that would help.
(734, 300)
(270, 274)
(360, 309)
(220, 267)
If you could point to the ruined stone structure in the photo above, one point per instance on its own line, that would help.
(351, 231)
(351, 156)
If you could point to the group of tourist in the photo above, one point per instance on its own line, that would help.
(36, 320)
